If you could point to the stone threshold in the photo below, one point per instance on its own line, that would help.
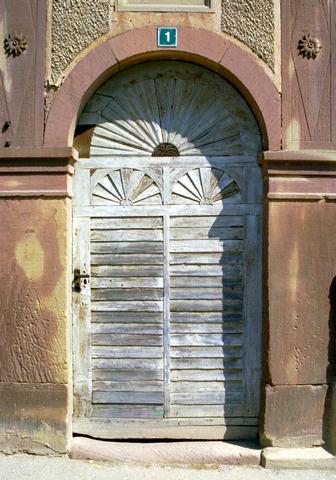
(201, 454)
(172, 453)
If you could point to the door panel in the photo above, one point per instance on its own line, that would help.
(121, 350)
(168, 306)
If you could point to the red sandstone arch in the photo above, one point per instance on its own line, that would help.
(199, 46)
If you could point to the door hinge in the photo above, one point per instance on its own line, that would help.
(81, 280)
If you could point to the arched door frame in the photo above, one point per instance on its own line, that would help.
(215, 52)
(202, 47)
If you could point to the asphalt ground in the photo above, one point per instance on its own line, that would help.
(29, 467)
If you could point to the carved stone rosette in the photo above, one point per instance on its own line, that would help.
(15, 44)
(309, 47)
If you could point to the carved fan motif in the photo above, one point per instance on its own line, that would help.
(169, 103)
(126, 186)
(205, 186)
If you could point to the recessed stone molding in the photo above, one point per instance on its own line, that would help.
(15, 44)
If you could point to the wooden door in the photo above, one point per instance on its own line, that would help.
(167, 327)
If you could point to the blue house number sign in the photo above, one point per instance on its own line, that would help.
(167, 37)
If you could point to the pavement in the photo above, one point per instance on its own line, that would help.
(28, 467)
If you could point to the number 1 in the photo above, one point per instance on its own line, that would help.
(167, 34)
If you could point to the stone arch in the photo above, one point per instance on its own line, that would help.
(198, 46)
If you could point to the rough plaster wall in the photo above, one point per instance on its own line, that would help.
(75, 24)
(251, 22)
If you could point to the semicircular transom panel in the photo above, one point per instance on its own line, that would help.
(126, 186)
(173, 103)
(205, 186)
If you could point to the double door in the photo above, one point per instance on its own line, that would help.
(167, 308)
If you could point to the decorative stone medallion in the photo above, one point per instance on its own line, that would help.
(15, 44)
(309, 47)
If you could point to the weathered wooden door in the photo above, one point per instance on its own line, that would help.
(167, 216)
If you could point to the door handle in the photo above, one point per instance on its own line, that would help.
(80, 280)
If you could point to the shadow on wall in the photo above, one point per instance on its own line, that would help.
(329, 418)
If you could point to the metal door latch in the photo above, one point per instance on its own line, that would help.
(81, 280)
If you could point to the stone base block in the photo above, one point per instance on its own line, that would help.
(33, 418)
(191, 454)
(293, 416)
(298, 458)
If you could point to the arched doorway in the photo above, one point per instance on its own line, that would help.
(167, 252)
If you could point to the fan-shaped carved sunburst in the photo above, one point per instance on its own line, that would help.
(170, 103)
(204, 186)
(126, 186)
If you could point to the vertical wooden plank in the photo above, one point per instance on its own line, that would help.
(166, 297)
(253, 314)
(80, 185)
(82, 300)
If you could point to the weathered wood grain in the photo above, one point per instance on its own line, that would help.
(211, 245)
(126, 317)
(127, 411)
(199, 375)
(126, 259)
(127, 247)
(127, 375)
(205, 317)
(135, 386)
(199, 340)
(126, 223)
(94, 211)
(127, 328)
(114, 306)
(206, 363)
(229, 395)
(218, 221)
(219, 281)
(207, 352)
(121, 339)
(142, 235)
(184, 429)
(211, 386)
(127, 282)
(193, 411)
(205, 258)
(127, 294)
(126, 352)
(232, 271)
(120, 363)
(196, 233)
(127, 398)
(206, 294)
(206, 328)
(206, 305)
(127, 271)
